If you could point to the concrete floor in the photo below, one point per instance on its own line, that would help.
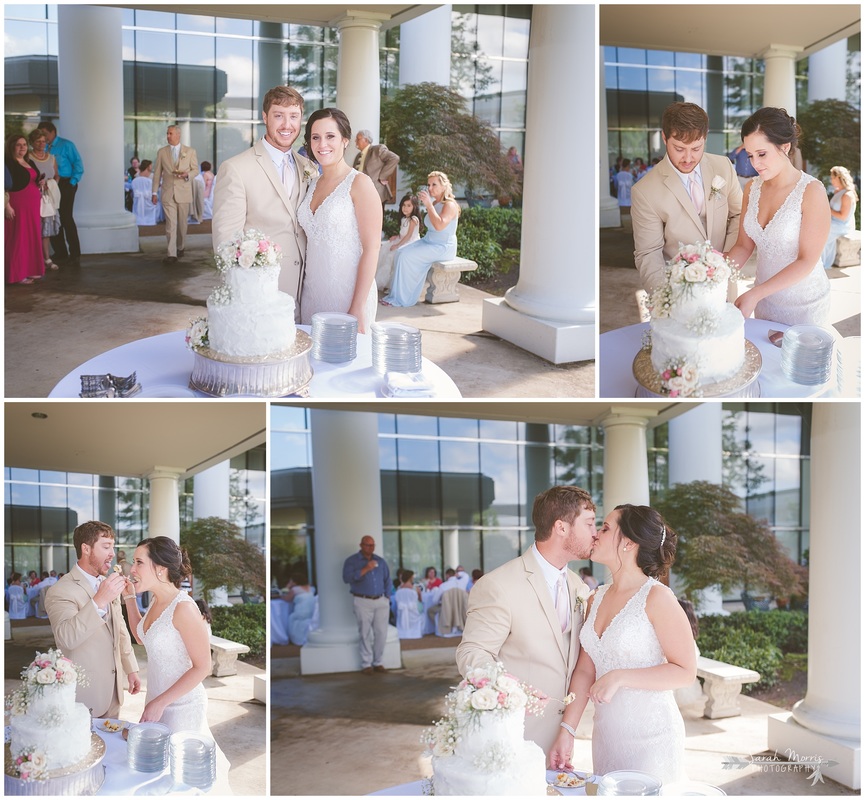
(619, 280)
(54, 325)
(237, 721)
(350, 734)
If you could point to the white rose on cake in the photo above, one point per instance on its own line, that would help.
(695, 273)
(507, 683)
(516, 698)
(247, 254)
(485, 699)
(46, 676)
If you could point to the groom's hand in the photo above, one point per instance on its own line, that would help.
(109, 590)
(134, 683)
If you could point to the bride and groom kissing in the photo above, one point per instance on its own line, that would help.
(328, 226)
(626, 647)
(692, 196)
(84, 609)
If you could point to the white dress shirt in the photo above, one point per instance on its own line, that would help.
(551, 574)
(94, 582)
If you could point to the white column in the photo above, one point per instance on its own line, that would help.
(346, 495)
(211, 492)
(90, 83)
(425, 48)
(626, 463)
(611, 216)
(827, 723)
(827, 73)
(164, 502)
(779, 81)
(452, 549)
(358, 90)
(551, 310)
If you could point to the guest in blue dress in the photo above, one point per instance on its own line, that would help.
(412, 262)
(842, 207)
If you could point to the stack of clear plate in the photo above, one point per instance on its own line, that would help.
(395, 348)
(334, 337)
(806, 354)
(630, 783)
(849, 371)
(193, 759)
(147, 747)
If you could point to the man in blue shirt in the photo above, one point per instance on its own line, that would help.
(744, 169)
(368, 578)
(70, 170)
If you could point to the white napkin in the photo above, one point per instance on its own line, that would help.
(408, 384)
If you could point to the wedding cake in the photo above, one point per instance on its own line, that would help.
(51, 747)
(697, 337)
(248, 342)
(478, 747)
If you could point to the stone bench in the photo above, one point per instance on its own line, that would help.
(224, 653)
(848, 252)
(442, 280)
(722, 685)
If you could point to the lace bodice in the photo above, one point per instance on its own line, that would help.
(333, 250)
(777, 246)
(639, 729)
(167, 660)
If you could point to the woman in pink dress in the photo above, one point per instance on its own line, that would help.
(23, 252)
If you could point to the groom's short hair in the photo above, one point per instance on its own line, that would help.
(685, 122)
(89, 533)
(559, 502)
(281, 96)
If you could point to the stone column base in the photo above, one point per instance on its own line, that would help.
(324, 654)
(557, 342)
(610, 216)
(793, 742)
(107, 233)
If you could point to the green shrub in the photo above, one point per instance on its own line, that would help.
(786, 630)
(744, 648)
(482, 236)
(244, 623)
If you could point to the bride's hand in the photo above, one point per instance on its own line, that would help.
(746, 303)
(357, 312)
(604, 689)
(562, 751)
(153, 711)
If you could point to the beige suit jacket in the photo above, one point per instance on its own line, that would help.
(249, 193)
(512, 619)
(101, 646)
(664, 216)
(174, 190)
(380, 165)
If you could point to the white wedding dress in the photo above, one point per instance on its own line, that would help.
(638, 729)
(333, 250)
(806, 302)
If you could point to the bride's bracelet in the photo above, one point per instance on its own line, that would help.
(128, 597)
(569, 729)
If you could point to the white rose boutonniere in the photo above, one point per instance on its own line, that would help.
(309, 172)
(718, 183)
(580, 601)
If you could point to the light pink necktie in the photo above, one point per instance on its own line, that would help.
(695, 189)
(288, 174)
(562, 601)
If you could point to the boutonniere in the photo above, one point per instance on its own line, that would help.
(718, 183)
(580, 600)
(309, 173)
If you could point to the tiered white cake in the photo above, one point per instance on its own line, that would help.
(478, 748)
(698, 338)
(46, 724)
(248, 343)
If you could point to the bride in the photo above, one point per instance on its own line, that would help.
(174, 635)
(342, 217)
(785, 215)
(637, 647)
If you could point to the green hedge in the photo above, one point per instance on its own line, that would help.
(246, 623)
(754, 640)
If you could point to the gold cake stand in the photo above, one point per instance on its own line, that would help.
(83, 778)
(742, 384)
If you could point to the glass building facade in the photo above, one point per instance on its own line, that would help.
(640, 84)
(477, 479)
(42, 508)
(209, 73)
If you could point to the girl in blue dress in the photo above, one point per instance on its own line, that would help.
(413, 261)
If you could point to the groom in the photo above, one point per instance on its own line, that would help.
(690, 196)
(86, 620)
(263, 187)
(527, 614)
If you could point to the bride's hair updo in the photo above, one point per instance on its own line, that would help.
(657, 541)
(337, 116)
(165, 552)
(776, 125)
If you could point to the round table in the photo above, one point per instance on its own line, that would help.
(618, 348)
(163, 365)
(416, 788)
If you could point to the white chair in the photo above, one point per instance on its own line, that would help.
(280, 616)
(17, 603)
(409, 617)
(451, 620)
(146, 213)
(302, 613)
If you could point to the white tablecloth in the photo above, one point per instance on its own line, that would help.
(417, 788)
(619, 347)
(280, 614)
(163, 365)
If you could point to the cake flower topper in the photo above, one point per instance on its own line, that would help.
(247, 249)
(718, 183)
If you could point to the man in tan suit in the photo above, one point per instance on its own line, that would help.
(175, 166)
(689, 196)
(87, 622)
(263, 187)
(376, 161)
(526, 613)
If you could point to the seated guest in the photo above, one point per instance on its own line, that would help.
(17, 599)
(477, 574)
(409, 613)
(842, 207)
(208, 177)
(590, 580)
(409, 231)
(413, 261)
(146, 213)
(431, 579)
(303, 602)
